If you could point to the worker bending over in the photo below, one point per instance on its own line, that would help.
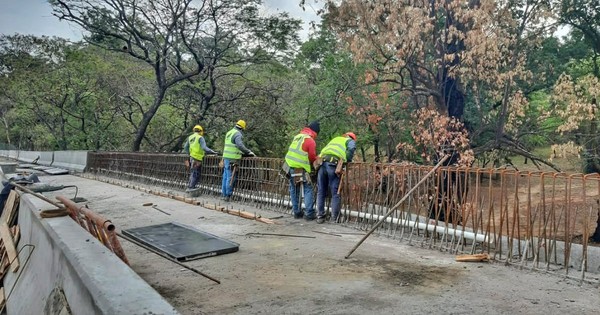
(300, 157)
(338, 150)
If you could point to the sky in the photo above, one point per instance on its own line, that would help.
(35, 17)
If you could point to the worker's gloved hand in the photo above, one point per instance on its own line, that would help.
(251, 154)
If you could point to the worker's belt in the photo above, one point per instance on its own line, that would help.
(297, 175)
(331, 159)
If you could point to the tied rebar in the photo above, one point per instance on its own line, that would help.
(539, 220)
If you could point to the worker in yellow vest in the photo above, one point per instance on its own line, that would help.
(300, 157)
(338, 149)
(232, 153)
(196, 148)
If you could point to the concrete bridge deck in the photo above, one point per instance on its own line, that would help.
(285, 275)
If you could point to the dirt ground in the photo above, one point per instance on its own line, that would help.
(285, 275)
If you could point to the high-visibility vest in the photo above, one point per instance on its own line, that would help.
(196, 150)
(296, 157)
(230, 151)
(336, 147)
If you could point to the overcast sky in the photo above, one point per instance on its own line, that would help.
(35, 17)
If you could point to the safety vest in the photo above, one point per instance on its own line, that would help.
(336, 147)
(196, 150)
(296, 157)
(230, 151)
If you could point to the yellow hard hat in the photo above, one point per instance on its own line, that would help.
(241, 124)
(198, 128)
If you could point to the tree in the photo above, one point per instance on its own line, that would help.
(180, 40)
(448, 54)
(61, 95)
(583, 15)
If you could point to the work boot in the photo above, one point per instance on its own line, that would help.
(299, 215)
(310, 218)
(320, 220)
(227, 198)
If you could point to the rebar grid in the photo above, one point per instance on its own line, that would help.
(525, 218)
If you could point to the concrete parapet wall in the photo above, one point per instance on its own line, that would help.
(29, 156)
(13, 154)
(72, 160)
(68, 259)
(46, 157)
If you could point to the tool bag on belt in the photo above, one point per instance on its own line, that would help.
(196, 163)
(297, 175)
(339, 169)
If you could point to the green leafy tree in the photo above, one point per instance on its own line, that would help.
(181, 40)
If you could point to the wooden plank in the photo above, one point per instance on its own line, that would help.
(16, 234)
(10, 245)
(9, 205)
(473, 258)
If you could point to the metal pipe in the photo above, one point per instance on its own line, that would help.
(96, 218)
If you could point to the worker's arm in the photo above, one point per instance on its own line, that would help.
(206, 148)
(350, 148)
(237, 139)
(310, 146)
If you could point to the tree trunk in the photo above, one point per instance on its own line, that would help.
(376, 149)
(7, 131)
(147, 118)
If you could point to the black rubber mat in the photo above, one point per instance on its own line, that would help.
(182, 242)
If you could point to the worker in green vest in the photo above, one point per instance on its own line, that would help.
(196, 148)
(233, 151)
(338, 150)
(300, 157)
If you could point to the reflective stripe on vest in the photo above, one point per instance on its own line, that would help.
(230, 151)
(296, 157)
(336, 147)
(196, 150)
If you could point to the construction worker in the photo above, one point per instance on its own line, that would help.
(338, 150)
(300, 156)
(196, 148)
(232, 153)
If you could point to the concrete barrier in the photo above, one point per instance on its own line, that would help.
(13, 154)
(46, 158)
(29, 156)
(71, 160)
(69, 269)
(4, 153)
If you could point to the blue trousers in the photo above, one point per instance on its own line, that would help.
(194, 173)
(328, 181)
(295, 193)
(226, 184)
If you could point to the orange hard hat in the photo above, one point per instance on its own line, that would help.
(351, 135)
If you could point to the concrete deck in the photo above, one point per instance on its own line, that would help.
(284, 275)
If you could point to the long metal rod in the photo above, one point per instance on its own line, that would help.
(40, 196)
(167, 257)
(286, 235)
(381, 220)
